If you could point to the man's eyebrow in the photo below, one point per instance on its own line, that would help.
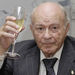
(55, 24)
(39, 24)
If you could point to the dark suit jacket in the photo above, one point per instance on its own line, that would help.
(29, 62)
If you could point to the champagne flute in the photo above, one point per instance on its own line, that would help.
(19, 13)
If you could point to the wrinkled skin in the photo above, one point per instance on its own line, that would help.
(48, 28)
(7, 32)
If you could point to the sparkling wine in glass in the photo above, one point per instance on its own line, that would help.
(19, 13)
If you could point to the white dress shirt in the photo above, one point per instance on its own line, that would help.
(42, 70)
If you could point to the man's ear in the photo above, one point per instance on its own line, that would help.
(67, 27)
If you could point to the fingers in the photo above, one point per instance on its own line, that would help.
(10, 18)
(10, 21)
(5, 34)
(12, 24)
(9, 28)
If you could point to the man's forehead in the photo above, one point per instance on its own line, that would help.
(52, 18)
(47, 11)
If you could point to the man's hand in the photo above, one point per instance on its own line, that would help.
(7, 32)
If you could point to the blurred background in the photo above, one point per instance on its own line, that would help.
(6, 8)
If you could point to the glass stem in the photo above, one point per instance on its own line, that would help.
(13, 46)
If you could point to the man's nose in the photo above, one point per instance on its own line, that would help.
(47, 34)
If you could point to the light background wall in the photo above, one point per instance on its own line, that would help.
(7, 6)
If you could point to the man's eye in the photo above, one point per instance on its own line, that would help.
(40, 29)
(54, 27)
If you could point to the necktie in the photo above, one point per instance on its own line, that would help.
(49, 63)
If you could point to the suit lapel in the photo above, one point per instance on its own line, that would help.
(67, 58)
(28, 63)
(33, 61)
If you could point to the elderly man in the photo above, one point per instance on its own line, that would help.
(51, 52)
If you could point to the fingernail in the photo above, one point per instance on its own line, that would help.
(17, 26)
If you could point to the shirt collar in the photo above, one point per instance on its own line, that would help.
(57, 54)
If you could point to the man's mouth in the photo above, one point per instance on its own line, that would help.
(47, 44)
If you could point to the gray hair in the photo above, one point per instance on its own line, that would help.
(67, 19)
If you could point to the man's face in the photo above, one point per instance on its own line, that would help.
(49, 33)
